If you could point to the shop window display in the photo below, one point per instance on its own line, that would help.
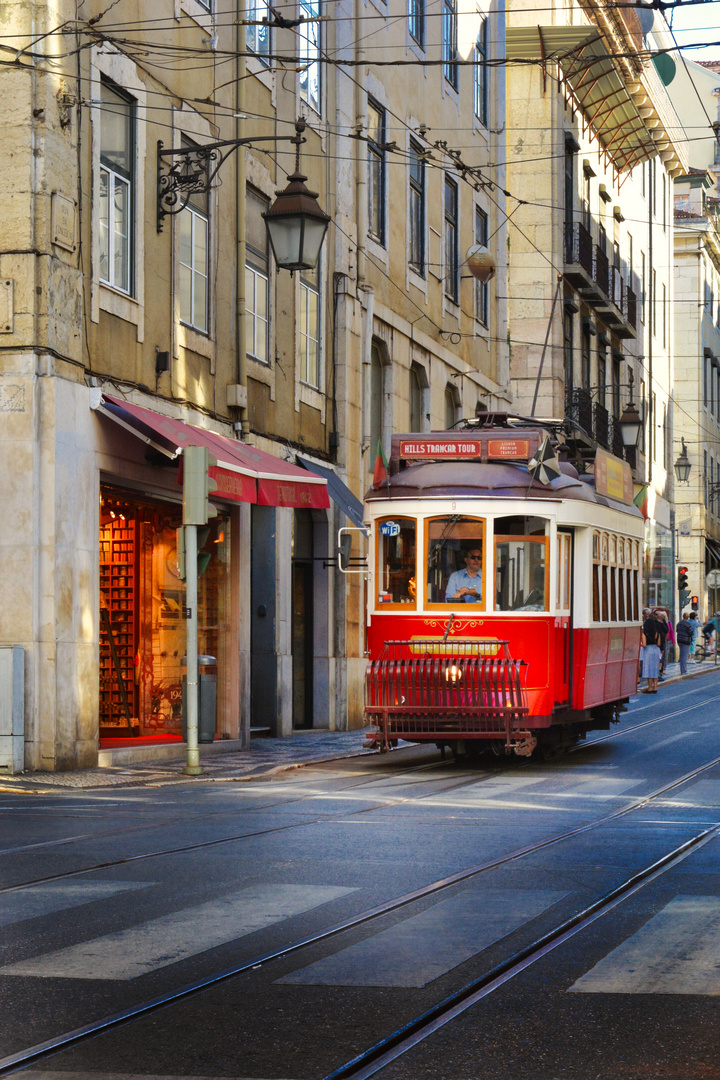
(142, 624)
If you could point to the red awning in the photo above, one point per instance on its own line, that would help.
(242, 474)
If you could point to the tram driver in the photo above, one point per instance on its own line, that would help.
(466, 585)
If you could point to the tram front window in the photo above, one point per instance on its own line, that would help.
(396, 576)
(455, 548)
(520, 564)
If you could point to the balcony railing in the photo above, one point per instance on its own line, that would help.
(601, 270)
(601, 425)
(579, 246)
(579, 408)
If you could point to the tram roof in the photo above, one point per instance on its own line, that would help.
(479, 479)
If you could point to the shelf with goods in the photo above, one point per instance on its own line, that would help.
(118, 624)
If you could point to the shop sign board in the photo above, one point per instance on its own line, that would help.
(613, 477)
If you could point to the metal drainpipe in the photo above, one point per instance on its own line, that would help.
(360, 157)
(240, 300)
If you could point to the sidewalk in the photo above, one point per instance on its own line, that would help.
(264, 757)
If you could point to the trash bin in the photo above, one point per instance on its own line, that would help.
(207, 699)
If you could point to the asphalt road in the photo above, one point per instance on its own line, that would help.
(109, 900)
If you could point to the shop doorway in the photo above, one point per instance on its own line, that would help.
(303, 637)
(142, 608)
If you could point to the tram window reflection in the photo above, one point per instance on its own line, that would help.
(521, 564)
(396, 570)
(455, 547)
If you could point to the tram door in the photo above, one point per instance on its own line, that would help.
(563, 621)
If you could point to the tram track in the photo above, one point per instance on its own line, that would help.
(410, 1034)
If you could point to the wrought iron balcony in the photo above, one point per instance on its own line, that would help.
(579, 250)
(601, 425)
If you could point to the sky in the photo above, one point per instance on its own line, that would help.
(697, 24)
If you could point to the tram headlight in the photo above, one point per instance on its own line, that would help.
(453, 673)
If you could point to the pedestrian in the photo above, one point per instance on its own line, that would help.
(645, 615)
(661, 616)
(684, 639)
(708, 630)
(695, 623)
(651, 638)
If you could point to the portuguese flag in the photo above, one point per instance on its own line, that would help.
(641, 501)
(380, 474)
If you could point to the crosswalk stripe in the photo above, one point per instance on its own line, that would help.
(127, 954)
(419, 949)
(676, 952)
(46, 899)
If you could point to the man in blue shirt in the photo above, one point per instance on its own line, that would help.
(466, 585)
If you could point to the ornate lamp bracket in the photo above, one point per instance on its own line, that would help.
(190, 170)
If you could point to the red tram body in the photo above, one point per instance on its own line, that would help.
(539, 644)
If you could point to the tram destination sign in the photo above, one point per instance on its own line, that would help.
(613, 477)
(466, 448)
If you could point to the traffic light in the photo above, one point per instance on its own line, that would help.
(197, 485)
(203, 557)
(694, 602)
(682, 579)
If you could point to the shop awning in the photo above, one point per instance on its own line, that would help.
(607, 101)
(242, 474)
(339, 492)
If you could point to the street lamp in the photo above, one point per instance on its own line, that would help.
(630, 424)
(682, 465)
(295, 224)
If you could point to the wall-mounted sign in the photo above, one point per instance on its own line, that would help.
(390, 528)
(444, 449)
(508, 449)
(613, 478)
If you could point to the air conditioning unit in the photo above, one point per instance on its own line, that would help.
(12, 709)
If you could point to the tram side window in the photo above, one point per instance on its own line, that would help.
(396, 571)
(521, 564)
(455, 568)
(596, 577)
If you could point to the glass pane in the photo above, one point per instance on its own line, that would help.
(104, 237)
(116, 130)
(185, 283)
(396, 562)
(200, 302)
(200, 261)
(520, 575)
(185, 238)
(121, 237)
(256, 233)
(312, 315)
(455, 560)
(261, 291)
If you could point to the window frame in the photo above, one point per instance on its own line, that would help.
(482, 288)
(262, 53)
(481, 83)
(305, 290)
(417, 189)
(195, 216)
(451, 241)
(309, 50)
(450, 68)
(377, 161)
(253, 261)
(127, 179)
(416, 22)
(504, 538)
(448, 605)
(390, 605)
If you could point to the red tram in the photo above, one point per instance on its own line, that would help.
(503, 613)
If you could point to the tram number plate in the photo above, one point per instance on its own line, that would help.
(390, 528)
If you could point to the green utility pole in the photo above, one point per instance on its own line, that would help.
(197, 486)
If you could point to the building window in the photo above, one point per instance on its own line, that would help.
(569, 184)
(482, 288)
(377, 403)
(257, 37)
(452, 407)
(376, 170)
(416, 197)
(480, 75)
(194, 255)
(568, 347)
(452, 282)
(653, 311)
(641, 298)
(309, 53)
(117, 212)
(417, 398)
(257, 277)
(585, 355)
(310, 327)
(449, 42)
(586, 199)
(416, 21)
(664, 315)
